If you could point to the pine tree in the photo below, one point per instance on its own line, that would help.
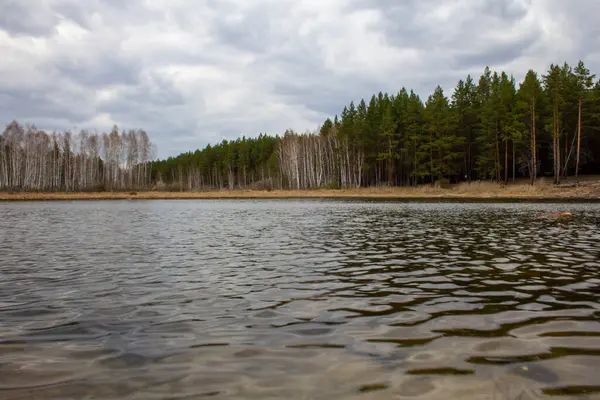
(388, 132)
(463, 105)
(554, 82)
(488, 89)
(507, 103)
(400, 105)
(416, 136)
(583, 84)
(443, 141)
(528, 101)
(326, 127)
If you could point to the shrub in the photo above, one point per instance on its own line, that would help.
(442, 182)
(265, 184)
(174, 187)
(333, 184)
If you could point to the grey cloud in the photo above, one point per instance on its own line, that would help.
(252, 32)
(400, 21)
(581, 21)
(74, 13)
(154, 101)
(510, 10)
(17, 17)
(141, 102)
(499, 54)
(116, 12)
(31, 105)
(404, 26)
(111, 71)
(191, 72)
(326, 100)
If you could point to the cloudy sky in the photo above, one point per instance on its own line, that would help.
(191, 72)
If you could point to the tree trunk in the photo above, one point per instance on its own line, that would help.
(506, 161)
(497, 155)
(578, 140)
(431, 156)
(554, 154)
(514, 160)
(557, 149)
(555, 141)
(390, 163)
(566, 155)
(469, 158)
(533, 144)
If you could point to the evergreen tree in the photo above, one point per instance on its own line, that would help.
(488, 99)
(389, 135)
(508, 94)
(583, 84)
(466, 119)
(326, 127)
(443, 141)
(554, 83)
(416, 136)
(527, 105)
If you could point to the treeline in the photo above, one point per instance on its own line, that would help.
(35, 160)
(490, 128)
(236, 163)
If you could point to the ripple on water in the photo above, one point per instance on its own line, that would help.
(297, 299)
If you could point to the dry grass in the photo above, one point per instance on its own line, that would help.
(543, 188)
(477, 190)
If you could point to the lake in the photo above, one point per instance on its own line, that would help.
(298, 299)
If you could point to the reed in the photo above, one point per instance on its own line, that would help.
(475, 190)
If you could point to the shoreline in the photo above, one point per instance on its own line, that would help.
(424, 194)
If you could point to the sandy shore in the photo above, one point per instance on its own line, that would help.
(465, 192)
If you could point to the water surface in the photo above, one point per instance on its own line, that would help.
(298, 299)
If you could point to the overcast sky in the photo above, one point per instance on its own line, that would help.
(191, 72)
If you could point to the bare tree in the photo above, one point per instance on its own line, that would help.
(32, 159)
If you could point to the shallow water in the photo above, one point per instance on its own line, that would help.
(298, 299)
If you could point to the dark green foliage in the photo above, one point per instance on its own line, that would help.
(467, 122)
(444, 143)
(240, 163)
(490, 128)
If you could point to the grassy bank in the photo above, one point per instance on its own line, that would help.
(589, 191)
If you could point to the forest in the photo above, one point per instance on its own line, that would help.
(37, 161)
(490, 128)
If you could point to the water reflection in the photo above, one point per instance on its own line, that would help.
(299, 299)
